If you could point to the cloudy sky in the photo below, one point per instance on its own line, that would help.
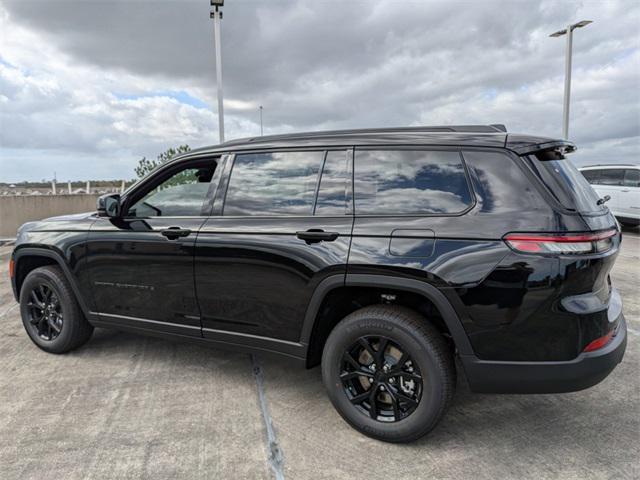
(89, 87)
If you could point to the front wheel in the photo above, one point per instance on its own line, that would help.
(50, 312)
(388, 372)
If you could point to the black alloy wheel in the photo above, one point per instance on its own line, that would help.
(51, 314)
(45, 312)
(381, 379)
(389, 372)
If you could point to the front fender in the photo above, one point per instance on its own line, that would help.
(21, 253)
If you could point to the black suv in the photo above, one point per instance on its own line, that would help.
(380, 254)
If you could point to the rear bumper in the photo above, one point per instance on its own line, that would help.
(584, 371)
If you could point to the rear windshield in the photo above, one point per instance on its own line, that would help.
(565, 182)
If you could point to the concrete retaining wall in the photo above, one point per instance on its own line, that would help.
(16, 210)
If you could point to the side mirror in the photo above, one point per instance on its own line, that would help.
(109, 205)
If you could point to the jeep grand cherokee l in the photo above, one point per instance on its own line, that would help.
(382, 255)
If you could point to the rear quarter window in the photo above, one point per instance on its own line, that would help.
(410, 182)
(500, 183)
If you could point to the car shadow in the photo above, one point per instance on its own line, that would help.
(541, 420)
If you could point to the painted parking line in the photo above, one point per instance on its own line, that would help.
(632, 331)
(4, 312)
(276, 458)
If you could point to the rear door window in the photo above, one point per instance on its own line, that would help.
(333, 185)
(612, 176)
(565, 182)
(410, 182)
(632, 178)
(592, 176)
(273, 183)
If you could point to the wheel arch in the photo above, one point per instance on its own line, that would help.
(313, 331)
(29, 258)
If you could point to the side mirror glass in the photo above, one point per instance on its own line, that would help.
(109, 205)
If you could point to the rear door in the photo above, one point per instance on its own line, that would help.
(279, 228)
(629, 205)
(611, 182)
(593, 177)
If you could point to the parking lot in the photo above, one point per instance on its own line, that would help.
(126, 406)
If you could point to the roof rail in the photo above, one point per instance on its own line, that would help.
(611, 165)
(495, 128)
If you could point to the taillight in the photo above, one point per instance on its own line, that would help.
(598, 343)
(565, 244)
(12, 268)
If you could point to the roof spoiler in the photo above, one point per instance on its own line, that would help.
(561, 146)
(499, 126)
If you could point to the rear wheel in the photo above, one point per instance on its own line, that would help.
(388, 372)
(50, 312)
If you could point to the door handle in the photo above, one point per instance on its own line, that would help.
(176, 232)
(315, 235)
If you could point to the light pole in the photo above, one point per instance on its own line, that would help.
(217, 16)
(567, 71)
(261, 132)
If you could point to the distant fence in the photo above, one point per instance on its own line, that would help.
(18, 209)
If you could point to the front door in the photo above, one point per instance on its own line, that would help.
(283, 228)
(141, 265)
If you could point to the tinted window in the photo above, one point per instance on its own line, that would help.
(331, 195)
(592, 176)
(564, 181)
(611, 176)
(632, 178)
(409, 182)
(499, 183)
(182, 195)
(282, 183)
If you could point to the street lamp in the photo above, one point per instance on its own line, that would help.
(217, 16)
(567, 71)
(260, 120)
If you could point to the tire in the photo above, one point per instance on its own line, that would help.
(47, 292)
(402, 331)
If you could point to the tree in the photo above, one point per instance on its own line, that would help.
(145, 166)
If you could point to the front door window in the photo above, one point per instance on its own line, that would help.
(181, 195)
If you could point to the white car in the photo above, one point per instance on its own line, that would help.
(622, 184)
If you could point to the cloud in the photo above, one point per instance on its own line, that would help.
(104, 83)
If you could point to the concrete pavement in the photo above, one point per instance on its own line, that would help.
(126, 406)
